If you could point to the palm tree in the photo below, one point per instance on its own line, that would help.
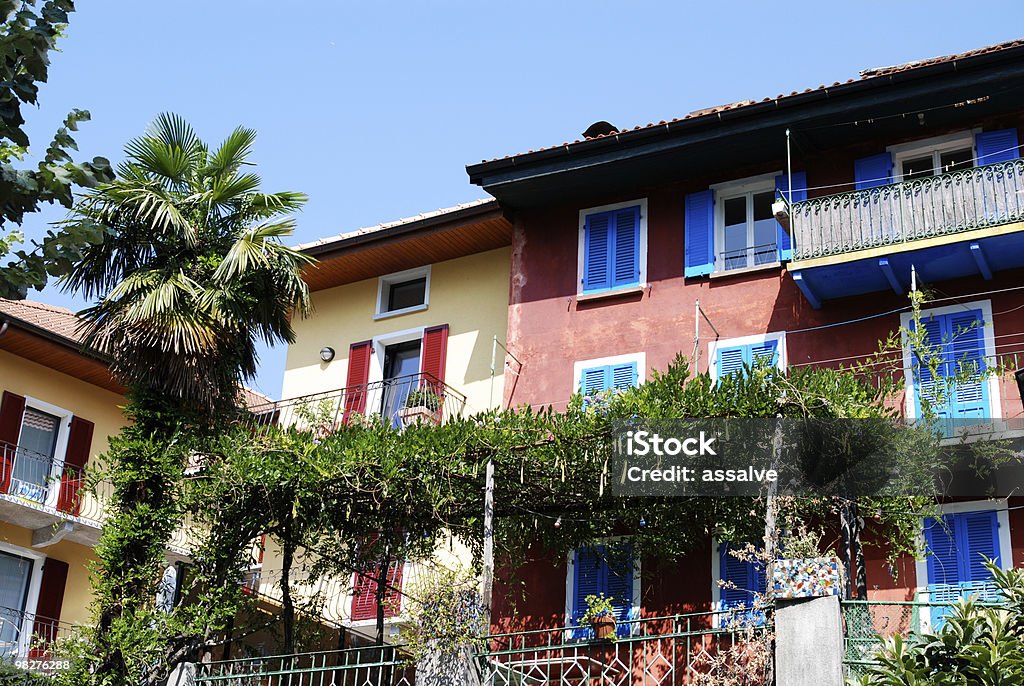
(191, 274)
(192, 271)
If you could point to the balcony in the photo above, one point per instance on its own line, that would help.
(953, 225)
(399, 402)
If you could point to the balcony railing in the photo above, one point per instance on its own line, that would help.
(951, 203)
(399, 402)
(43, 482)
(677, 650)
(28, 635)
(383, 666)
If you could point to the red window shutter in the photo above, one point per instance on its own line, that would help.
(435, 352)
(72, 478)
(12, 409)
(364, 594)
(358, 376)
(51, 601)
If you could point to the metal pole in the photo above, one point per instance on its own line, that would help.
(494, 359)
(789, 169)
(488, 562)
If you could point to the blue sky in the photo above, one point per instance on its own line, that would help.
(374, 109)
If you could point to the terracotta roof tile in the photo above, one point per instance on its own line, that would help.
(864, 76)
(57, 320)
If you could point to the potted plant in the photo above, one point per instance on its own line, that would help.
(421, 404)
(600, 615)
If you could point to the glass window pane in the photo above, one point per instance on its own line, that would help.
(765, 241)
(918, 167)
(763, 205)
(958, 159)
(736, 211)
(14, 576)
(735, 253)
(406, 294)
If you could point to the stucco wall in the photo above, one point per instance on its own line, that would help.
(470, 294)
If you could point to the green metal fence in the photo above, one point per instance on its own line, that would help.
(376, 666)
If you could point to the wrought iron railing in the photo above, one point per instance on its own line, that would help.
(959, 201)
(668, 651)
(43, 482)
(376, 666)
(26, 635)
(399, 401)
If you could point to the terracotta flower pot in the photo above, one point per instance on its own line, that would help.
(603, 626)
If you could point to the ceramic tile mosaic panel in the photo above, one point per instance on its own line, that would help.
(807, 577)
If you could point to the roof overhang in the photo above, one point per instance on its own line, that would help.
(56, 352)
(752, 134)
(403, 245)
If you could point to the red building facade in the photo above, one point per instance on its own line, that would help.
(633, 247)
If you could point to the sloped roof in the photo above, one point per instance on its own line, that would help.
(58, 321)
(709, 112)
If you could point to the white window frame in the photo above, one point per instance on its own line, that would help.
(738, 188)
(934, 146)
(35, 582)
(994, 404)
(640, 358)
(376, 370)
(400, 617)
(384, 284)
(570, 583)
(581, 245)
(1005, 544)
(713, 346)
(716, 590)
(59, 451)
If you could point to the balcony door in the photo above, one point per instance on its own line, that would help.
(15, 573)
(37, 449)
(401, 377)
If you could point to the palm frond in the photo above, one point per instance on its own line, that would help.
(232, 152)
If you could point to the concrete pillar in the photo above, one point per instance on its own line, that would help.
(808, 642)
(447, 668)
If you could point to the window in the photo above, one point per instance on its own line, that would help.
(613, 247)
(734, 355)
(364, 593)
(933, 156)
(738, 582)
(403, 292)
(958, 340)
(608, 373)
(957, 543)
(747, 228)
(607, 568)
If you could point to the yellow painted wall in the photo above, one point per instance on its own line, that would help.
(470, 294)
(85, 400)
(77, 592)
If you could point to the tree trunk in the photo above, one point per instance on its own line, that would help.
(287, 604)
(858, 554)
(844, 550)
(382, 587)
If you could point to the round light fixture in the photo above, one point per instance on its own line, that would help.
(326, 353)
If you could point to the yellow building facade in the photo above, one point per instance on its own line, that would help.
(409, 324)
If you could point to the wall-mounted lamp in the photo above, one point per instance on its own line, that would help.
(326, 353)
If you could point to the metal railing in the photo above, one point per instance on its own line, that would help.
(868, 623)
(26, 635)
(44, 482)
(959, 201)
(400, 402)
(376, 666)
(667, 651)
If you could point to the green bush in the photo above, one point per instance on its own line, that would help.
(977, 645)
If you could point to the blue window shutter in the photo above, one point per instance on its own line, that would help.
(699, 234)
(966, 353)
(748, 577)
(978, 540)
(785, 243)
(594, 380)
(626, 257)
(597, 248)
(766, 353)
(873, 171)
(619, 584)
(624, 376)
(940, 537)
(731, 360)
(996, 146)
(927, 387)
(588, 579)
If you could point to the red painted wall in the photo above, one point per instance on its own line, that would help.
(550, 328)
